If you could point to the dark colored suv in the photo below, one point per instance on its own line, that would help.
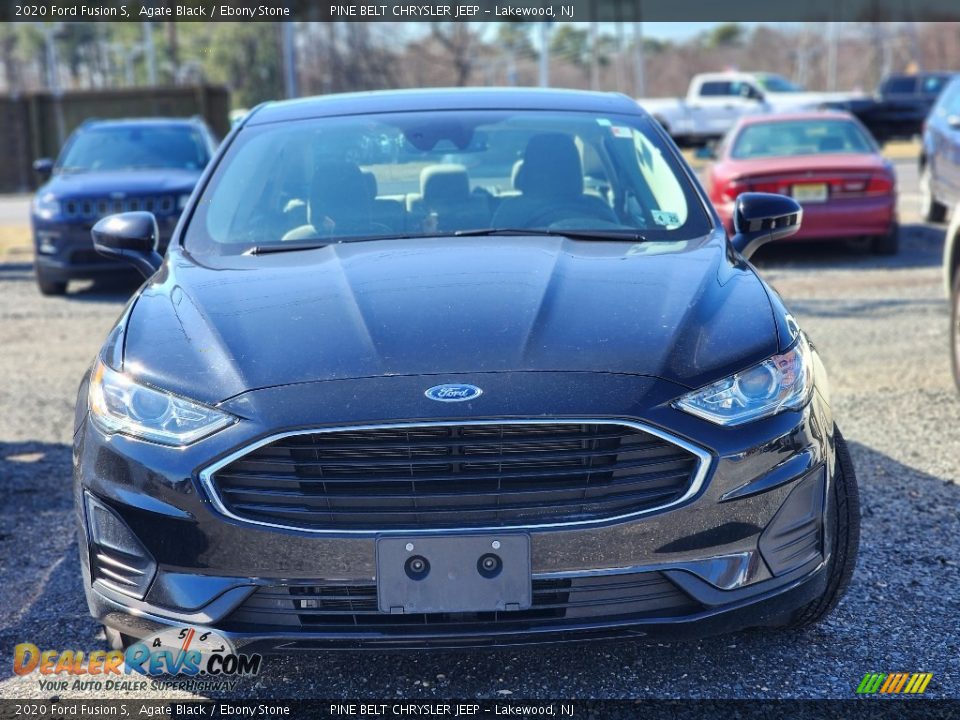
(940, 156)
(106, 167)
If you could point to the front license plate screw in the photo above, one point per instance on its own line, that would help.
(409, 547)
(495, 544)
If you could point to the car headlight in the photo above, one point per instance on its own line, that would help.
(182, 201)
(118, 404)
(780, 383)
(46, 206)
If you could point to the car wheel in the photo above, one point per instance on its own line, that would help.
(50, 287)
(116, 640)
(888, 244)
(930, 209)
(955, 328)
(846, 540)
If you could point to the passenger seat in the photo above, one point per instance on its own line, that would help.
(445, 191)
(384, 211)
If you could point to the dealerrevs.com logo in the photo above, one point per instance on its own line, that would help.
(201, 657)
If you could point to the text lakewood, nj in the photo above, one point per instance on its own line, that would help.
(451, 11)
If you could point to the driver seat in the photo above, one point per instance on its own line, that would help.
(550, 180)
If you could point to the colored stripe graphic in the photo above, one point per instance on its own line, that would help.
(894, 683)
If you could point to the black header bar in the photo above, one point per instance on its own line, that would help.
(478, 10)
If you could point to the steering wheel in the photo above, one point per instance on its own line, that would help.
(558, 212)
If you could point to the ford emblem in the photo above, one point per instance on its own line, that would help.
(453, 392)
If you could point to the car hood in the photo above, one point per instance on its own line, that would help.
(128, 182)
(449, 307)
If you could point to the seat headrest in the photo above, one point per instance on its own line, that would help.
(339, 189)
(444, 184)
(371, 180)
(831, 143)
(551, 167)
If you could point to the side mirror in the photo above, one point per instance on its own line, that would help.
(759, 218)
(43, 167)
(130, 237)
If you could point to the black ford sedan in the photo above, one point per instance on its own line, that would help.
(457, 368)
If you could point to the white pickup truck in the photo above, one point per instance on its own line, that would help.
(715, 101)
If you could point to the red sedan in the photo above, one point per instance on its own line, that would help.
(827, 161)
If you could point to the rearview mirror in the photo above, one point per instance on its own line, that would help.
(43, 167)
(759, 218)
(130, 237)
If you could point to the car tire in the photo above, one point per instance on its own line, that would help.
(116, 640)
(955, 328)
(846, 540)
(930, 209)
(50, 287)
(888, 244)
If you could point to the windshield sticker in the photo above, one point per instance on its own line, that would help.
(662, 217)
(621, 131)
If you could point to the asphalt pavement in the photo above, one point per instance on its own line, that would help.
(881, 324)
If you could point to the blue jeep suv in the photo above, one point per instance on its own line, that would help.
(106, 167)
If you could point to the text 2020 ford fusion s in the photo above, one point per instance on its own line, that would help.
(457, 368)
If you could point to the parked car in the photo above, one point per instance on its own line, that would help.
(826, 161)
(940, 156)
(437, 417)
(715, 101)
(105, 167)
(900, 105)
(951, 268)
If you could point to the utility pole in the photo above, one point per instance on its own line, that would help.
(545, 54)
(289, 60)
(594, 60)
(150, 54)
(639, 74)
(50, 31)
(831, 56)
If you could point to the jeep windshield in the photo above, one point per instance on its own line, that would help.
(134, 147)
(309, 183)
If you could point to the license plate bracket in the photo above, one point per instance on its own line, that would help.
(463, 573)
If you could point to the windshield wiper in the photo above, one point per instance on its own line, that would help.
(290, 246)
(600, 235)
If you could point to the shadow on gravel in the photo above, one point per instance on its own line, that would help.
(920, 246)
(41, 598)
(109, 289)
(887, 622)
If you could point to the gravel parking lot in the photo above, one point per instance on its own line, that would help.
(882, 327)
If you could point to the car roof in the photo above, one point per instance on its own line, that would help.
(794, 116)
(391, 101)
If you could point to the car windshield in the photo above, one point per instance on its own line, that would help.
(420, 174)
(777, 83)
(125, 147)
(799, 137)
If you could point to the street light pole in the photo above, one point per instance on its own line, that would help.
(544, 54)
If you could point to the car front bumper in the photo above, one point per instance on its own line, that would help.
(702, 567)
(64, 250)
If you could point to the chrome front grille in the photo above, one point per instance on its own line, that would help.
(469, 475)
